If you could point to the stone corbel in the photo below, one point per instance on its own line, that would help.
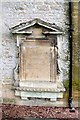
(19, 40)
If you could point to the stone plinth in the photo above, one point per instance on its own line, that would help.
(34, 89)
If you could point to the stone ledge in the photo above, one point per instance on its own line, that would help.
(37, 89)
(25, 95)
(40, 86)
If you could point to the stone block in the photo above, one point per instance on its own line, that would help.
(42, 7)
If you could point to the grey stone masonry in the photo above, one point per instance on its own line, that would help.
(14, 12)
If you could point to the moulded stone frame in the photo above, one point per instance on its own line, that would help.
(20, 87)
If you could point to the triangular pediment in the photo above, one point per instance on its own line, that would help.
(24, 27)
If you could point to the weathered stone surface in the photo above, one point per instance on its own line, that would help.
(43, 7)
(14, 13)
(37, 71)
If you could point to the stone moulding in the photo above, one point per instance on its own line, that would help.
(37, 31)
(20, 28)
(39, 92)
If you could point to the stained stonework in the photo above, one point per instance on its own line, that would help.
(14, 13)
(38, 68)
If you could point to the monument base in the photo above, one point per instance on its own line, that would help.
(32, 89)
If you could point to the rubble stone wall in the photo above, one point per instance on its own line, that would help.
(17, 11)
